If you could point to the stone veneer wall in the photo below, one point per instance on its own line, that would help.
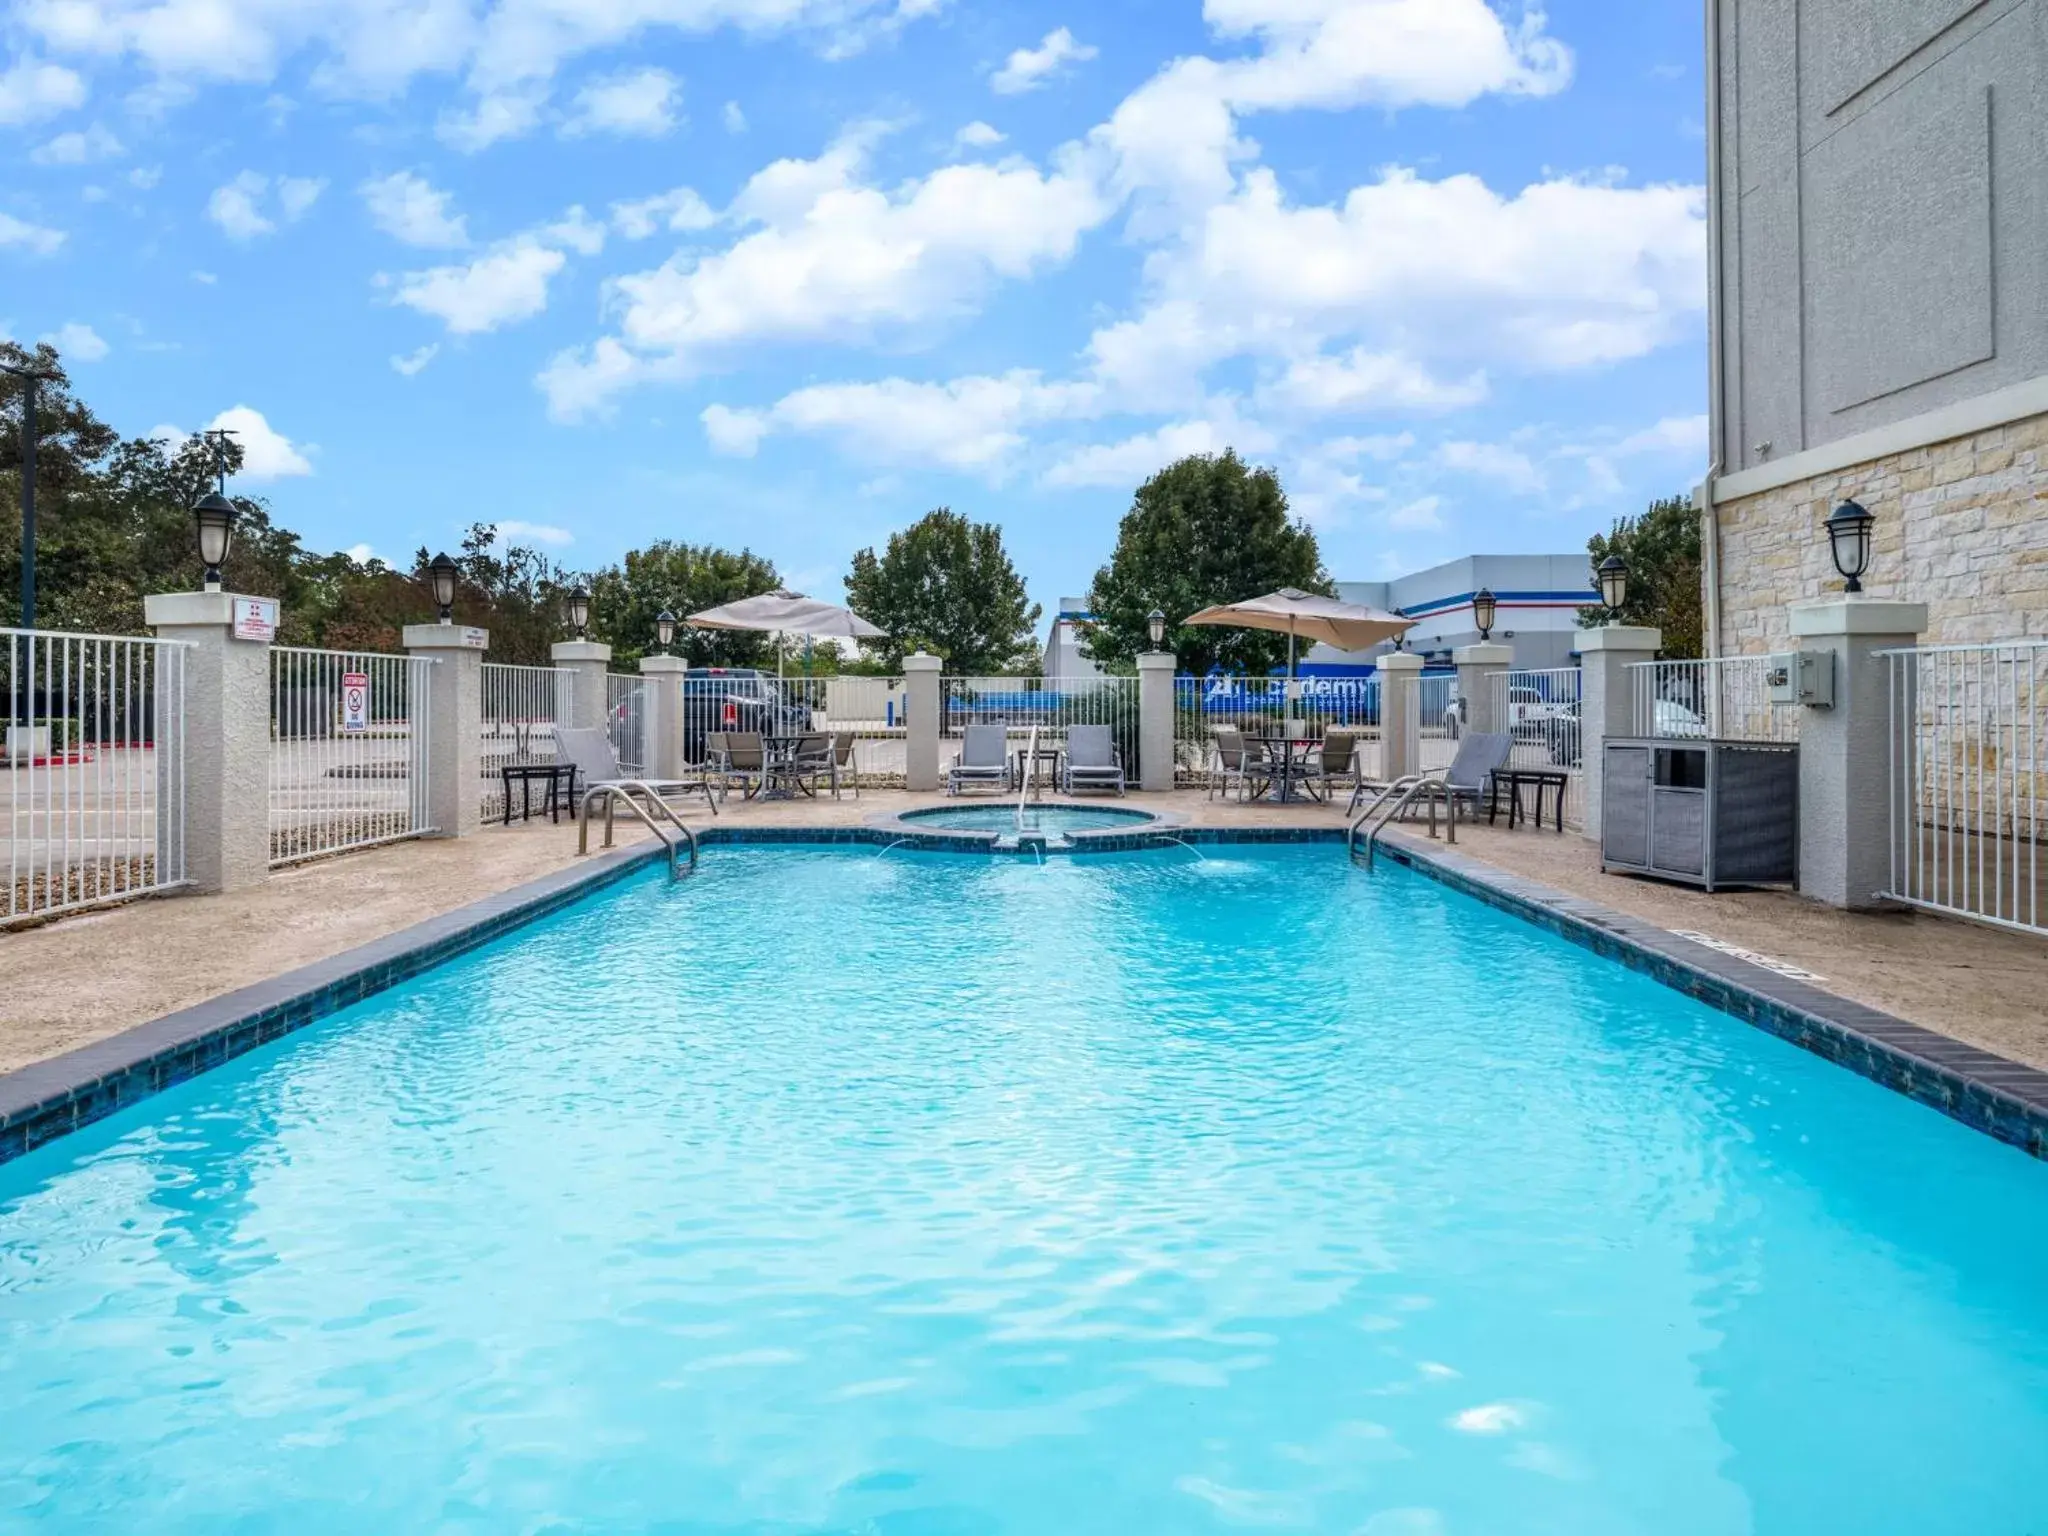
(1962, 526)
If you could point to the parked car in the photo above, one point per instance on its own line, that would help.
(1559, 732)
(1528, 709)
(735, 699)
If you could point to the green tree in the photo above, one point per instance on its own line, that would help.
(947, 585)
(1202, 531)
(685, 579)
(1662, 551)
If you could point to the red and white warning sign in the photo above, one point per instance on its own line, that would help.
(355, 701)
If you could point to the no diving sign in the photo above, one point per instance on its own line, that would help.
(355, 701)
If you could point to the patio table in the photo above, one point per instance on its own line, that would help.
(1288, 757)
(1027, 760)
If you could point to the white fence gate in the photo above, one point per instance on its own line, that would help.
(94, 759)
(625, 720)
(1723, 698)
(1539, 708)
(520, 708)
(348, 750)
(1967, 730)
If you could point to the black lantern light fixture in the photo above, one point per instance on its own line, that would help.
(1483, 612)
(213, 518)
(441, 572)
(1155, 626)
(1849, 542)
(578, 606)
(1613, 579)
(665, 630)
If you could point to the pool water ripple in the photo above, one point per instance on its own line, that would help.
(820, 1193)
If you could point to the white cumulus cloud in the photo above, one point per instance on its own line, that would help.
(734, 119)
(641, 103)
(535, 533)
(410, 209)
(1028, 68)
(410, 363)
(267, 454)
(978, 135)
(31, 91)
(78, 147)
(679, 210)
(506, 285)
(77, 343)
(241, 207)
(36, 239)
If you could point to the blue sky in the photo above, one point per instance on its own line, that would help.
(788, 273)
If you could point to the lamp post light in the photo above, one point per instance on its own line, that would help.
(441, 574)
(1613, 580)
(214, 517)
(1483, 613)
(1155, 626)
(664, 630)
(1849, 542)
(578, 607)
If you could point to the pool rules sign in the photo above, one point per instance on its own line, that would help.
(355, 701)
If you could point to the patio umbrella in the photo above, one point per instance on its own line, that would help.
(788, 613)
(1304, 616)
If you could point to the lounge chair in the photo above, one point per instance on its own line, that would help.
(984, 759)
(1465, 782)
(737, 757)
(589, 751)
(1092, 760)
(1239, 761)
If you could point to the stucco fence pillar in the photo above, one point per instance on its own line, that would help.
(1844, 758)
(455, 721)
(1482, 673)
(225, 730)
(1155, 720)
(921, 721)
(662, 700)
(1400, 715)
(588, 662)
(1607, 698)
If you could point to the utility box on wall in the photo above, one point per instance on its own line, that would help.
(1709, 813)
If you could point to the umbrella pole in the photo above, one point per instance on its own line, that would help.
(1287, 704)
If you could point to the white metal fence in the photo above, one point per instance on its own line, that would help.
(869, 709)
(1053, 704)
(1262, 706)
(94, 759)
(625, 720)
(1726, 698)
(1968, 805)
(1539, 709)
(520, 708)
(348, 750)
(1436, 722)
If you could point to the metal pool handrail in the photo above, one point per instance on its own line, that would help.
(621, 793)
(1395, 799)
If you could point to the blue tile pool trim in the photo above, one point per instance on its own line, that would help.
(1988, 1093)
(2001, 1098)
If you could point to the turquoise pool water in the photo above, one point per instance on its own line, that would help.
(1052, 820)
(827, 1192)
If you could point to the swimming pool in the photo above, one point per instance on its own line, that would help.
(1144, 1193)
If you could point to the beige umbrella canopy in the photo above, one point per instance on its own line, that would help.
(1304, 616)
(788, 613)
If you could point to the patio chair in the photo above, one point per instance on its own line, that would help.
(1092, 760)
(807, 764)
(1337, 759)
(738, 757)
(844, 769)
(590, 752)
(1238, 760)
(1465, 782)
(984, 759)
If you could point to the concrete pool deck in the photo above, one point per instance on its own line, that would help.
(81, 979)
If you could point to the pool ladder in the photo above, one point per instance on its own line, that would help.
(627, 792)
(1391, 803)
